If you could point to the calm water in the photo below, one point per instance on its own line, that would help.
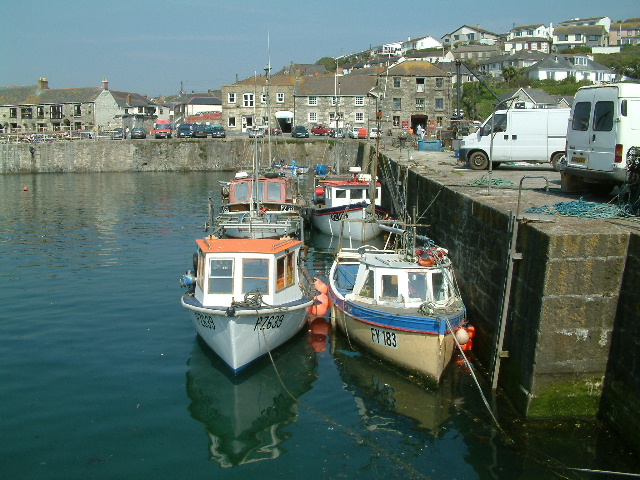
(103, 376)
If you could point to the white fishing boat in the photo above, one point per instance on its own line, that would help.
(246, 296)
(402, 305)
(260, 206)
(343, 206)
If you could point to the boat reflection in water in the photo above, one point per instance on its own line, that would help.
(384, 394)
(245, 415)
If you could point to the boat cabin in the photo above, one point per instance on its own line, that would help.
(393, 281)
(334, 193)
(275, 190)
(227, 269)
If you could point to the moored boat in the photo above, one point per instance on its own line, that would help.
(260, 206)
(246, 296)
(342, 206)
(401, 305)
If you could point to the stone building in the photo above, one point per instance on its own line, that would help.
(415, 93)
(38, 108)
(244, 103)
(335, 101)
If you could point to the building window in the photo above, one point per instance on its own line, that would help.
(56, 111)
(26, 112)
(263, 98)
(439, 82)
(77, 110)
(359, 101)
(420, 85)
(396, 121)
(332, 117)
(280, 97)
(396, 82)
(359, 117)
(563, 38)
(594, 38)
(313, 117)
(419, 103)
(439, 103)
(231, 98)
(313, 100)
(13, 113)
(231, 122)
(578, 37)
(247, 100)
(40, 112)
(397, 104)
(334, 101)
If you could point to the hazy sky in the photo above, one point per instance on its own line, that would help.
(150, 47)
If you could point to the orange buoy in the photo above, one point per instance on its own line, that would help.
(471, 330)
(320, 286)
(429, 261)
(467, 346)
(320, 306)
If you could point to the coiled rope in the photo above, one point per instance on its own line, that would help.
(495, 182)
(582, 209)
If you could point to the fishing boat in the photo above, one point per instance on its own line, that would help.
(292, 169)
(342, 206)
(247, 296)
(260, 206)
(402, 305)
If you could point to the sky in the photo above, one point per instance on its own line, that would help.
(157, 47)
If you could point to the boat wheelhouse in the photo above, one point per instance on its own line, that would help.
(246, 296)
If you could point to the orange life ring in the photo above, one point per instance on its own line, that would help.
(429, 261)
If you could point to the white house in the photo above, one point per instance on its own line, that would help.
(422, 43)
(559, 66)
(466, 34)
(529, 37)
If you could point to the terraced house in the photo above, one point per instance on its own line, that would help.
(38, 108)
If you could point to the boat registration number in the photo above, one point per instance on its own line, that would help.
(383, 337)
(269, 321)
(578, 159)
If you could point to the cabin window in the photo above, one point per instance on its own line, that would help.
(439, 287)
(255, 275)
(285, 275)
(345, 276)
(417, 286)
(242, 191)
(581, 115)
(355, 194)
(367, 287)
(273, 191)
(220, 276)
(341, 194)
(389, 287)
(603, 117)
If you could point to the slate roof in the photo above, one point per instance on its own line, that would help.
(349, 85)
(584, 29)
(261, 80)
(537, 96)
(33, 95)
(558, 61)
(527, 27)
(417, 68)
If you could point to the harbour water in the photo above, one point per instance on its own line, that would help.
(103, 376)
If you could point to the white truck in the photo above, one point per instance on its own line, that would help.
(521, 135)
(605, 123)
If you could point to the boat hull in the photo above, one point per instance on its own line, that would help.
(247, 335)
(348, 221)
(427, 354)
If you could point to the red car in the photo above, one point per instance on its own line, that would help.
(320, 130)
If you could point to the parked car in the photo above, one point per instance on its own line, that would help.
(337, 133)
(353, 132)
(362, 132)
(138, 133)
(256, 132)
(216, 131)
(320, 130)
(117, 134)
(199, 131)
(276, 131)
(374, 133)
(300, 132)
(185, 130)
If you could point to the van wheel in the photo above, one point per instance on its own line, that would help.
(556, 159)
(479, 161)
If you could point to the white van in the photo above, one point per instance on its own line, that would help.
(605, 123)
(522, 135)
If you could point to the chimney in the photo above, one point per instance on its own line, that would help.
(43, 83)
(129, 99)
(105, 84)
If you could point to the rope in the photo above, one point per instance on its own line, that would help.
(484, 182)
(582, 209)
(253, 300)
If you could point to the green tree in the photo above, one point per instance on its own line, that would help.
(510, 74)
(627, 62)
(328, 62)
